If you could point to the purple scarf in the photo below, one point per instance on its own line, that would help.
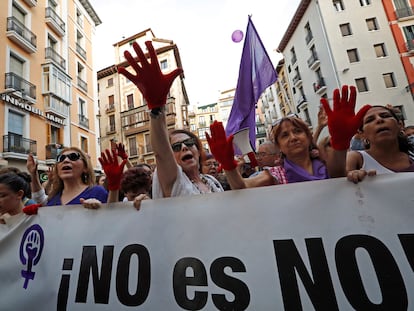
(295, 173)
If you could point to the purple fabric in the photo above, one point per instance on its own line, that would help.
(296, 173)
(95, 192)
(256, 73)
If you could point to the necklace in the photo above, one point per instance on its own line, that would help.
(205, 182)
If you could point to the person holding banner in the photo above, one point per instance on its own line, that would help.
(13, 192)
(295, 141)
(178, 153)
(73, 181)
(386, 146)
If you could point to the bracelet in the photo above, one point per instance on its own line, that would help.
(156, 112)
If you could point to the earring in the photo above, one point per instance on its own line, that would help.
(84, 178)
(367, 144)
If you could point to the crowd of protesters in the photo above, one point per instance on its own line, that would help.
(372, 141)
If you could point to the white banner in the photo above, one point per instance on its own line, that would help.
(321, 245)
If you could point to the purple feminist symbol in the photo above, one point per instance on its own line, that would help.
(31, 248)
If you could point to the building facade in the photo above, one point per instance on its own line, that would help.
(47, 90)
(123, 112)
(333, 43)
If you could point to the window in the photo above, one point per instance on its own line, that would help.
(82, 107)
(308, 32)
(380, 50)
(133, 150)
(201, 121)
(16, 65)
(79, 17)
(361, 84)
(130, 101)
(54, 135)
(402, 9)
(338, 5)
(372, 24)
(164, 64)
(345, 29)
(364, 2)
(110, 82)
(112, 123)
(84, 144)
(16, 121)
(353, 55)
(111, 101)
(293, 54)
(389, 80)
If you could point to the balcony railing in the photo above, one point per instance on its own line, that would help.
(309, 37)
(82, 84)
(31, 3)
(52, 151)
(21, 35)
(293, 60)
(313, 61)
(81, 51)
(110, 129)
(18, 144)
(110, 108)
(319, 86)
(51, 54)
(297, 79)
(83, 121)
(17, 83)
(55, 22)
(404, 12)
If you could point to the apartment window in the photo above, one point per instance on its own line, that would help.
(308, 32)
(361, 84)
(389, 80)
(18, 13)
(293, 54)
(409, 32)
(164, 64)
(54, 137)
(133, 150)
(380, 50)
(372, 24)
(130, 101)
(84, 144)
(82, 107)
(16, 122)
(201, 121)
(79, 17)
(338, 5)
(345, 29)
(364, 2)
(16, 65)
(353, 55)
(110, 82)
(112, 123)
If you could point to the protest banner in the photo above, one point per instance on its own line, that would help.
(321, 245)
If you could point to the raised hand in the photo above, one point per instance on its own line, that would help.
(342, 121)
(121, 151)
(31, 209)
(149, 79)
(221, 146)
(113, 170)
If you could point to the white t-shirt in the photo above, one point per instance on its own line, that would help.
(183, 185)
(369, 163)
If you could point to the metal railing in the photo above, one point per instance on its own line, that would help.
(83, 121)
(50, 13)
(18, 144)
(13, 24)
(13, 81)
(51, 54)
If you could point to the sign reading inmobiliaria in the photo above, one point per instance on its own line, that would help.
(321, 245)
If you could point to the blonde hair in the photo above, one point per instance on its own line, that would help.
(88, 178)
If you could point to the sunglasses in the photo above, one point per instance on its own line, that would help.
(176, 147)
(74, 156)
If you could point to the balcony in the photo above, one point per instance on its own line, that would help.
(51, 54)
(293, 60)
(31, 3)
(83, 121)
(82, 84)
(52, 151)
(313, 61)
(110, 108)
(309, 37)
(110, 129)
(15, 83)
(135, 120)
(81, 51)
(17, 144)
(56, 106)
(300, 102)
(319, 87)
(405, 13)
(22, 36)
(55, 22)
(297, 80)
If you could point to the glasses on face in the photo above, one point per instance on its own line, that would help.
(176, 147)
(74, 156)
(210, 164)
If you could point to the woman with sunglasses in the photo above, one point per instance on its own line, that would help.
(178, 153)
(295, 141)
(73, 181)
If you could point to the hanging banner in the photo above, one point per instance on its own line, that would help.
(321, 245)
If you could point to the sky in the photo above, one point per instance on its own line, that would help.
(202, 31)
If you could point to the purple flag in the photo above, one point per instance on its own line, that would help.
(256, 73)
